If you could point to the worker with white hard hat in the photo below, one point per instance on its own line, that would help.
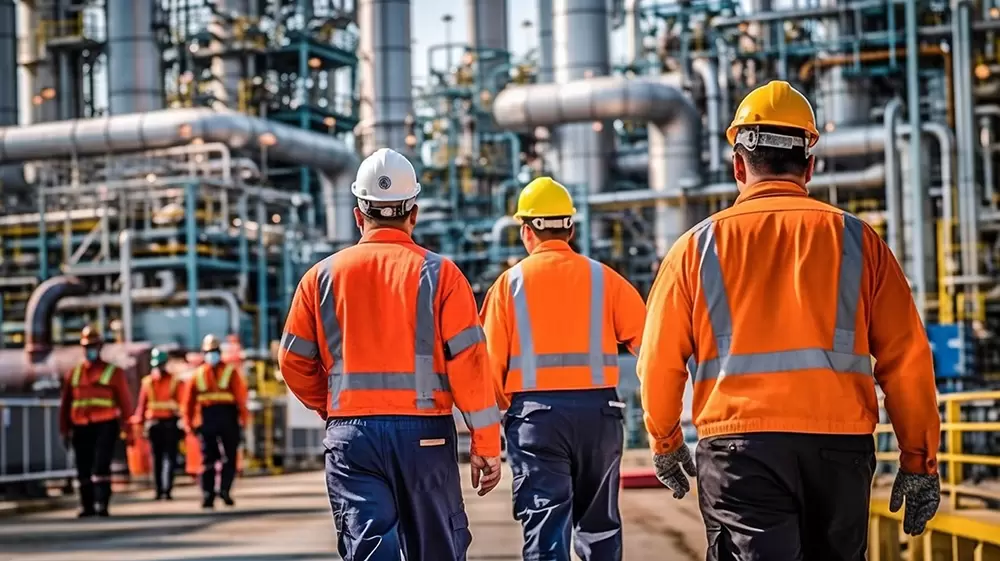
(383, 340)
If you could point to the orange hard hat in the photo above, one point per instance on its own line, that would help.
(90, 336)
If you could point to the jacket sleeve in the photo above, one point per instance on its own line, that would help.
(189, 401)
(298, 356)
(629, 312)
(123, 397)
(667, 343)
(465, 357)
(904, 367)
(241, 395)
(140, 408)
(66, 405)
(497, 328)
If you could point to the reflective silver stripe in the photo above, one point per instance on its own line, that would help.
(466, 338)
(529, 362)
(849, 285)
(482, 418)
(390, 381)
(331, 327)
(299, 346)
(840, 358)
(430, 273)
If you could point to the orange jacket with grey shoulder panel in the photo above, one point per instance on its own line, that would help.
(388, 328)
(776, 306)
(554, 321)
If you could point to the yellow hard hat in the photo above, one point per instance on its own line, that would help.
(544, 197)
(775, 104)
(209, 343)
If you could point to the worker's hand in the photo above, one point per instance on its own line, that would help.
(485, 473)
(922, 494)
(668, 470)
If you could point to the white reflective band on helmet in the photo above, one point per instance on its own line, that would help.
(542, 223)
(529, 362)
(838, 357)
(751, 137)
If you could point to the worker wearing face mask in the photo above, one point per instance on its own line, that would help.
(93, 413)
(215, 408)
(159, 410)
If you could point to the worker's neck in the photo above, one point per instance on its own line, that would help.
(754, 181)
(372, 227)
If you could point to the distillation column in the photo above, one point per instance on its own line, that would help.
(544, 41)
(8, 62)
(135, 79)
(386, 81)
(35, 75)
(487, 30)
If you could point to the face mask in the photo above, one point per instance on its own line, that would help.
(213, 358)
(92, 353)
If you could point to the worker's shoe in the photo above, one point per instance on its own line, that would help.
(167, 496)
(102, 512)
(86, 513)
(226, 498)
(208, 501)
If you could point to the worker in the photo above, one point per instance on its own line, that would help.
(553, 323)
(382, 339)
(776, 306)
(93, 415)
(216, 410)
(159, 411)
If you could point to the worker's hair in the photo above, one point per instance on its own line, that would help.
(396, 221)
(769, 161)
(547, 234)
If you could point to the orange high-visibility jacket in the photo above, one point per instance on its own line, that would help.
(158, 398)
(776, 306)
(388, 328)
(221, 385)
(554, 321)
(94, 393)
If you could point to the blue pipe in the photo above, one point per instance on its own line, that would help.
(262, 303)
(917, 194)
(191, 238)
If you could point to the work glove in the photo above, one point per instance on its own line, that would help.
(922, 494)
(668, 470)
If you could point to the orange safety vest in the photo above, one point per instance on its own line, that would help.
(95, 396)
(212, 392)
(154, 404)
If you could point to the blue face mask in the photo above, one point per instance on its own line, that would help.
(92, 353)
(213, 358)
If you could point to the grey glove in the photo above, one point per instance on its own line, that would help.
(922, 494)
(668, 470)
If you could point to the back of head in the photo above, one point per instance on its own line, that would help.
(386, 188)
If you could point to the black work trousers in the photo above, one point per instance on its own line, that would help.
(220, 440)
(164, 436)
(786, 497)
(93, 447)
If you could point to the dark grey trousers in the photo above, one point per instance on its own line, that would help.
(786, 497)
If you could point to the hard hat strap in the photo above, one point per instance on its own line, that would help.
(395, 210)
(541, 223)
(751, 137)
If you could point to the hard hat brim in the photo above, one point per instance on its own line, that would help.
(525, 214)
(813, 134)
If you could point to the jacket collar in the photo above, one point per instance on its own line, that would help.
(771, 189)
(390, 235)
(551, 245)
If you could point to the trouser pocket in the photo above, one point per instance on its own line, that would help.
(461, 535)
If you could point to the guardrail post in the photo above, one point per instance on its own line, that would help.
(953, 440)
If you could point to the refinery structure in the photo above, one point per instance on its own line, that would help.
(170, 168)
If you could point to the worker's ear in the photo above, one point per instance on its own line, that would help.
(809, 169)
(412, 217)
(739, 168)
(359, 218)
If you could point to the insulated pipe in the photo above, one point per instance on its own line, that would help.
(42, 306)
(965, 132)
(674, 134)
(893, 181)
(710, 79)
(135, 82)
(386, 80)
(174, 127)
(125, 248)
(167, 288)
(8, 62)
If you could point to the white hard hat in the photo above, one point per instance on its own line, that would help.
(386, 177)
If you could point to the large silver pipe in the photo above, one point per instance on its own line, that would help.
(8, 62)
(946, 143)
(227, 297)
(545, 75)
(125, 259)
(709, 73)
(965, 135)
(633, 31)
(175, 127)
(166, 289)
(386, 81)
(338, 204)
(674, 132)
(487, 29)
(893, 181)
(135, 82)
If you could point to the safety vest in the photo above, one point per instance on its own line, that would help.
(221, 393)
(155, 404)
(99, 395)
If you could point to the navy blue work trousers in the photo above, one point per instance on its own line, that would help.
(565, 449)
(395, 488)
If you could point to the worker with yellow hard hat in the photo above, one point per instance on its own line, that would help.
(775, 307)
(553, 323)
(216, 410)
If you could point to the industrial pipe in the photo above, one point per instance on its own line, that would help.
(8, 61)
(386, 74)
(167, 288)
(964, 134)
(545, 49)
(42, 306)
(136, 82)
(226, 296)
(709, 74)
(893, 181)
(174, 127)
(125, 259)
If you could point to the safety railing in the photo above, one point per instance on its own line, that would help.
(968, 524)
(30, 447)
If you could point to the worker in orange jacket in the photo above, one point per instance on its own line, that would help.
(93, 415)
(159, 410)
(382, 340)
(215, 409)
(776, 306)
(553, 323)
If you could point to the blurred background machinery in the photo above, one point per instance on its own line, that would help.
(170, 168)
